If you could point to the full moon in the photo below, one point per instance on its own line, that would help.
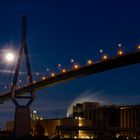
(10, 57)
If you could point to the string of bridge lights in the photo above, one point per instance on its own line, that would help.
(76, 66)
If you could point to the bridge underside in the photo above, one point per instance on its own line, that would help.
(101, 66)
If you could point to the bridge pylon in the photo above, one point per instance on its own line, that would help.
(22, 112)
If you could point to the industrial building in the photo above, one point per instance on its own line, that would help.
(90, 120)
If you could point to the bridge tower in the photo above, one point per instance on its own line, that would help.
(22, 111)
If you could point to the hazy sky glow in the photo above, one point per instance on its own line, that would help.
(59, 31)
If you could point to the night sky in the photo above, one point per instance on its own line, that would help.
(58, 31)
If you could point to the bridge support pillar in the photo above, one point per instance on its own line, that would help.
(22, 121)
(22, 112)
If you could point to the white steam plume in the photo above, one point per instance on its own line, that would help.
(103, 99)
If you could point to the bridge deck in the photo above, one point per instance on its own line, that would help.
(112, 63)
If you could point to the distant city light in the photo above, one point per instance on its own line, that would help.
(34, 111)
(117, 136)
(41, 118)
(79, 118)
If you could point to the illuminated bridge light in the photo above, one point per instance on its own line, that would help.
(59, 65)
(52, 74)
(101, 51)
(37, 73)
(89, 62)
(72, 60)
(120, 45)
(63, 70)
(120, 52)
(76, 66)
(43, 78)
(105, 57)
(47, 69)
(34, 82)
(138, 47)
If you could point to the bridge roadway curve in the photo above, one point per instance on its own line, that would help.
(101, 66)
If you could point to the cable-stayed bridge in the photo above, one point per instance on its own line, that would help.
(77, 72)
(22, 122)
